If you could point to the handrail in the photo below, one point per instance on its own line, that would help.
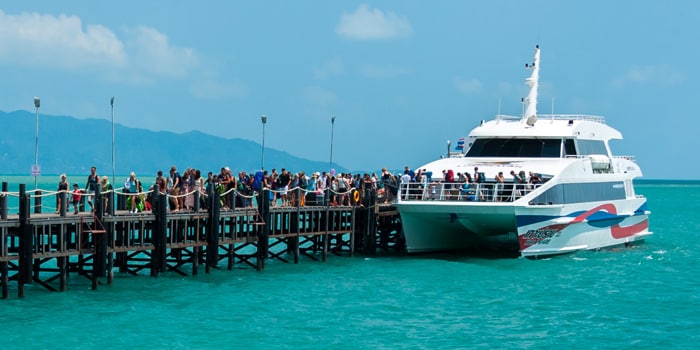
(582, 117)
(459, 191)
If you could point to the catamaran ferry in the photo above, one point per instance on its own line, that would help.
(537, 184)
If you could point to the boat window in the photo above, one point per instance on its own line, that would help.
(569, 147)
(581, 192)
(515, 147)
(586, 147)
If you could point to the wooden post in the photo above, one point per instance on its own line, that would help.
(99, 263)
(293, 242)
(264, 232)
(4, 279)
(212, 252)
(110, 201)
(37, 201)
(326, 236)
(370, 239)
(25, 240)
(195, 261)
(160, 229)
(196, 201)
(3, 202)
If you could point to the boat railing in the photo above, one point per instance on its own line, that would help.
(581, 117)
(460, 191)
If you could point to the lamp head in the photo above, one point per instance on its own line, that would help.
(37, 102)
(263, 118)
(333, 120)
(111, 102)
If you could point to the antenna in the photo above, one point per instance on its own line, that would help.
(499, 108)
(552, 109)
(530, 114)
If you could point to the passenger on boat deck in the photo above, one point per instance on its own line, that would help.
(461, 178)
(534, 179)
(500, 178)
(477, 177)
(516, 178)
(406, 177)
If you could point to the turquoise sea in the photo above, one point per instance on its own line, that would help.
(643, 297)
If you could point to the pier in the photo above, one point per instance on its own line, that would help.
(46, 249)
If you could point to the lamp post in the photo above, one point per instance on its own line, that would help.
(263, 118)
(35, 169)
(330, 163)
(111, 102)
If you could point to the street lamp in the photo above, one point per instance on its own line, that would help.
(35, 169)
(263, 118)
(111, 102)
(330, 163)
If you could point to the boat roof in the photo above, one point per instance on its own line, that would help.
(587, 127)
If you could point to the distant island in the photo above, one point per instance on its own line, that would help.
(70, 145)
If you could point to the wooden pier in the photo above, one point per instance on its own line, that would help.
(45, 249)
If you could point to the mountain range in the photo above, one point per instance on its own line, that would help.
(70, 145)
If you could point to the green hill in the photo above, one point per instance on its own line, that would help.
(71, 145)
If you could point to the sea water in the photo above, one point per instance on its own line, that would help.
(642, 297)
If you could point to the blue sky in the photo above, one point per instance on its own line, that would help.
(401, 77)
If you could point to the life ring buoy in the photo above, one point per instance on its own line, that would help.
(356, 196)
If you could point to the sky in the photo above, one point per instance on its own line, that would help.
(401, 77)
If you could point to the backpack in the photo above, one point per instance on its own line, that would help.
(257, 180)
(480, 177)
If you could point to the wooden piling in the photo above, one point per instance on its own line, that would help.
(212, 252)
(37, 201)
(264, 232)
(3, 202)
(159, 235)
(25, 241)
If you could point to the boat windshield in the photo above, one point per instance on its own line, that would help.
(515, 147)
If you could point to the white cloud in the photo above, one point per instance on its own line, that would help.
(468, 86)
(149, 51)
(372, 24)
(330, 69)
(63, 42)
(32, 39)
(661, 74)
(372, 71)
(319, 97)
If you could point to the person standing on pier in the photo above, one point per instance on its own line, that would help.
(131, 188)
(285, 180)
(106, 188)
(93, 181)
(76, 198)
(175, 188)
(62, 188)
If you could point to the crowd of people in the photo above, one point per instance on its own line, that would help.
(317, 188)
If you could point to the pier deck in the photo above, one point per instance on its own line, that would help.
(45, 248)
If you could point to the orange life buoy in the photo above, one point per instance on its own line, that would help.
(356, 196)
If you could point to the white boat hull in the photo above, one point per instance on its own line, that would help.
(533, 230)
